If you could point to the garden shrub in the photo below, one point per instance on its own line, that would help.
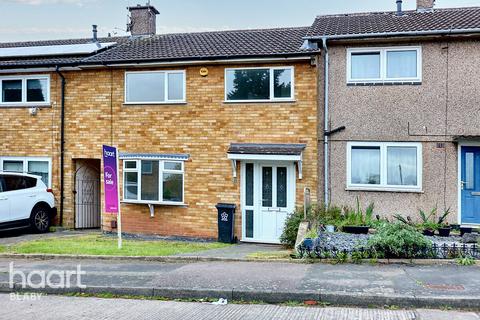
(316, 216)
(399, 240)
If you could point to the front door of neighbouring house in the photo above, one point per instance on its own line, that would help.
(268, 197)
(470, 185)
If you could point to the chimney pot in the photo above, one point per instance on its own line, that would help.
(399, 8)
(425, 5)
(142, 20)
(95, 32)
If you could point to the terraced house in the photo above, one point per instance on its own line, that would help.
(376, 105)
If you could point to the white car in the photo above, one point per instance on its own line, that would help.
(25, 201)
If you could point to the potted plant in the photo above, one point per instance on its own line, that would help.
(443, 226)
(309, 240)
(356, 221)
(428, 224)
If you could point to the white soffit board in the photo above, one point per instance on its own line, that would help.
(69, 49)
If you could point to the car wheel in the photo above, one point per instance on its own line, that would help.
(40, 219)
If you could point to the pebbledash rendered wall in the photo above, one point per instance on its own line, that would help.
(204, 127)
(26, 135)
(445, 105)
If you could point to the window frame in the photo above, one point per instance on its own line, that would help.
(161, 170)
(25, 161)
(24, 101)
(384, 186)
(271, 87)
(383, 64)
(165, 79)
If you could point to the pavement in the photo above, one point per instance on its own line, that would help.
(59, 307)
(432, 286)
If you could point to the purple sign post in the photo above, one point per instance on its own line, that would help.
(110, 185)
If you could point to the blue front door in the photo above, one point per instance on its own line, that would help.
(470, 185)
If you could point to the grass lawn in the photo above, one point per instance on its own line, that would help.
(103, 245)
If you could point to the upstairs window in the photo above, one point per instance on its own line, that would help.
(25, 90)
(396, 64)
(259, 84)
(155, 87)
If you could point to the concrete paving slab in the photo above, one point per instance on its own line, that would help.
(73, 308)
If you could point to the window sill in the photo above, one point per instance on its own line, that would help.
(150, 104)
(259, 101)
(384, 83)
(157, 203)
(385, 189)
(26, 105)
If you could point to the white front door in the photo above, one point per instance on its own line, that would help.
(268, 196)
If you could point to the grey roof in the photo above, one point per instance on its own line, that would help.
(280, 42)
(388, 22)
(169, 156)
(267, 148)
(208, 45)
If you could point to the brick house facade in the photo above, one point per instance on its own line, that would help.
(261, 151)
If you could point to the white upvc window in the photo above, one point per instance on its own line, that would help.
(153, 181)
(391, 64)
(384, 166)
(155, 87)
(260, 84)
(39, 166)
(25, 91)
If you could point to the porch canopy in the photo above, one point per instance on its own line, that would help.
(266, 152)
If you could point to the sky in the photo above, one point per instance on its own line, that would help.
(22, 20)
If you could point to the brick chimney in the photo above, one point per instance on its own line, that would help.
(142, 20)
(425, 5)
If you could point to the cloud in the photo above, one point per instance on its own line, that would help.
(46, 2)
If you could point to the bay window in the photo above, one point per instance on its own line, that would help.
(153, 181)
(259, 84)
(384, 166)
(25, 90)
(392, 64)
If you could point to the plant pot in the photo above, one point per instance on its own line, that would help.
(444, 232)
(428, 232)
(308, 244)
(464, 230)
(356, 229)
(330, 228)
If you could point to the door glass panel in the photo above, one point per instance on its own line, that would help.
(249, 184)
(469, 170)
(13, 166)
(281, 187)
(249, 224)
(267, 186)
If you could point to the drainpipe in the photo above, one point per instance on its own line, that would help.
(326, 125)
(62, 143)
